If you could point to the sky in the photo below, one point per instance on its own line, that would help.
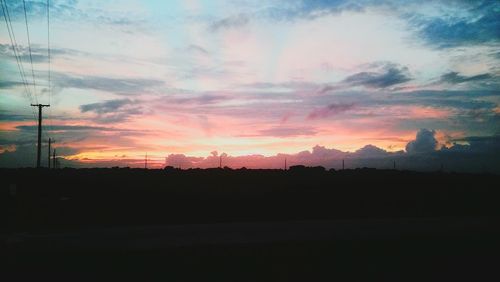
(254, 82)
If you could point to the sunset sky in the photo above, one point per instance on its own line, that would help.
(256, 80)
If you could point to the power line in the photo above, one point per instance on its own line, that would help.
(31, 56)
(13, 42)
(29, 48)
(18, 58)
(22, 73)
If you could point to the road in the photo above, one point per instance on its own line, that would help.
(171, 236)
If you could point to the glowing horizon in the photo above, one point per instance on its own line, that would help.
(249, 77)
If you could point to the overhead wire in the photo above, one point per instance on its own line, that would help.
(29, 49)
(31, 96)
(44, 132)
(18, 58)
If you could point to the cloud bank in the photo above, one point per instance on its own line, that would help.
(473, 154)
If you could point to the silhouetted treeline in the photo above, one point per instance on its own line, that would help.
(74, 198)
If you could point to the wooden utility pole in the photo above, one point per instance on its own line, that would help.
(39, 149)
(285, 163)
(342, 164)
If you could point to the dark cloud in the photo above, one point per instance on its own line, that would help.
(460, 100)
(105, 107)
(310, 9)
(438, 94)
(483, 144)
(24, 141)
(9, 116)
(330, 110)
(371, 151)
(19, 156)
(21, 143)
(389, 75)
(33, 8)
(38, 54)
(455, 77)
(69, 10)
(113, 110)
(379, 75)
(9, 84)
(25, 156)
(424, 142)
(297, 9)
(315, 8)
(471, 22)
(481, 26)
(230, 22)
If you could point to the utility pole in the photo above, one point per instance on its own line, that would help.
(146, 161)
(285, 163)
(39, 149)
(342, 164)
(54, 159)
(220, 161)
(48, 155)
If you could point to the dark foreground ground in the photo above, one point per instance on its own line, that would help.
(249, 225)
